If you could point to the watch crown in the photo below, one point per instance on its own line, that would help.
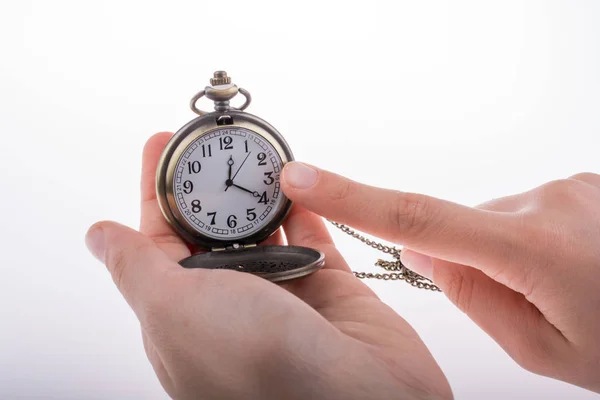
(220, 78)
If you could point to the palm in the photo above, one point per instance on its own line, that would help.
(329, 308)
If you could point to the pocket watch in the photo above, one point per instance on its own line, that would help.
(217, 185)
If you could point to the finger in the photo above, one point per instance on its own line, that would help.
(276, 239)
(423, 264)
(335, 282)
(507, 316)
(138, 267)
(306, 229)
(152, 223)
(436, 227)
(587, 177)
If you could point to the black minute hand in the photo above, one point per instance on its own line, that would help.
(238, 171)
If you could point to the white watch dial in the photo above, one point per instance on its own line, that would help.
(226, 183)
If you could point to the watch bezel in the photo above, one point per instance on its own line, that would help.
(177, 146)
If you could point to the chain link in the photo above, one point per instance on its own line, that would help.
(397, 270)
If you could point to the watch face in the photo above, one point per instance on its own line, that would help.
(226, 183)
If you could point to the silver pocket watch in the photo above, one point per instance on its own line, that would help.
(218, 186)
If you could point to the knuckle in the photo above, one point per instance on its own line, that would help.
(585, 176)
(310, 238)
(166, 238)
(410, 212)
(116, 261)
(459, 288)
(560, 192)
(344, 190)
(558, 187)
(553, 187)
(119, 260)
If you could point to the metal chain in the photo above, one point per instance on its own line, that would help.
(400, 272)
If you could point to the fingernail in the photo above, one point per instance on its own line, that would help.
(299, 176)
(94, 241)
(417, 262)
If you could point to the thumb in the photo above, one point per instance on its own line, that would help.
(436, 227)
(138, 267)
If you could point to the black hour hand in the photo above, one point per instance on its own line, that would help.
(255, 194)
(229, 180)
(230, 163)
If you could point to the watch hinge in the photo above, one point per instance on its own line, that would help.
(235, 246)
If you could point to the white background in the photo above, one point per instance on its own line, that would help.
(464, 100)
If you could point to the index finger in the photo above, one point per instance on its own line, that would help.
(436, 227)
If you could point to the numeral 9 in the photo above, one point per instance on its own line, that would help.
(188, 186)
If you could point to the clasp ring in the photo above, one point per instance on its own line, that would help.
(221, 104)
